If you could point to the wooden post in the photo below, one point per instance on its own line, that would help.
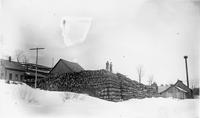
(36, 63)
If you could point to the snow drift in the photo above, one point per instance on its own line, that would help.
(19, 100)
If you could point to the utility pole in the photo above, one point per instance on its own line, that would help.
(185, 57)
(36, 63)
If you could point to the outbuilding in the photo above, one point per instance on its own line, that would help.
(178, 90)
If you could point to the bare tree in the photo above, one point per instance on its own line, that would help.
(151, 77)
(18, 55)
(21, 57)
(140, 72)
(25, 59)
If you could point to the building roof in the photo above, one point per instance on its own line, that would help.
(162, 88)
(63, 66)
(11, 65)
(42, 67)
(181, 89)
(33, 74)
(179, 85)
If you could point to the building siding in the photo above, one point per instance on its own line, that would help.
(16, 75)
(174, 93)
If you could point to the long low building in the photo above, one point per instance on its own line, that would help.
(10, 70)
(15, 71)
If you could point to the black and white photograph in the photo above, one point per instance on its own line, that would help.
(99, 58)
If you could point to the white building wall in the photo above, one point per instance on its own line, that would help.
(8, 74)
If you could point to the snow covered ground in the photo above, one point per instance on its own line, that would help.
(22, 101)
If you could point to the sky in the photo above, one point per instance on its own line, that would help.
(153, 33)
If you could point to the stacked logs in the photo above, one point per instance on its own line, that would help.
(99, 83)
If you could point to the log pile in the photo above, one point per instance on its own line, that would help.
(99, 83)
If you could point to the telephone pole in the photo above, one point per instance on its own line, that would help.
(36, 63)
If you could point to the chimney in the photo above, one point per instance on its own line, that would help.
(185, 57)
(9, 58)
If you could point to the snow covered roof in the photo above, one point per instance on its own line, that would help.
(40, 67)
(11, 65)
(180, 89)
(33, 74)
(181, 85)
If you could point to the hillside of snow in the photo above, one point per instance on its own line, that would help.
(21, 101)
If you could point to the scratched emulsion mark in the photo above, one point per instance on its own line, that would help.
(75, 29)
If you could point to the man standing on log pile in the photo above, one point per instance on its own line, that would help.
(110, 66)
(107, 66)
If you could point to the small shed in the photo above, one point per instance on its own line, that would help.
(178, 90)
(63, 66)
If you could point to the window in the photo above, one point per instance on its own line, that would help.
(21, 77)
(10, 76)
(16, 76)
(2, 74)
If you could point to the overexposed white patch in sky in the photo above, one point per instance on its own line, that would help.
(75, 29)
